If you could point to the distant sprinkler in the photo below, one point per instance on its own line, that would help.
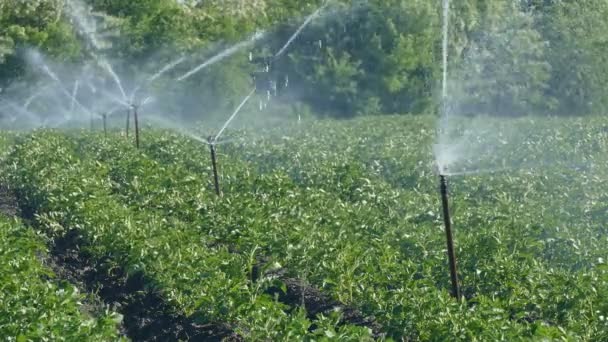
(136, 121)
(449, 236)
(128, 121)
(216, 181)
(135, 107)
(104, 117)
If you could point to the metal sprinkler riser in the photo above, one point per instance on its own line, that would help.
(216, 180)
(104, 117)
(135, 117)
(128, 122)
(447, 220)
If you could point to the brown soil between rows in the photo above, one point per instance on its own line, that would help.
(146, 316)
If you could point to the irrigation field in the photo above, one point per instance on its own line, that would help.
(326, 231)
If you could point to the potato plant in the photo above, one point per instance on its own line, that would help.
(34, 304)
(196, 276)
(350, 208)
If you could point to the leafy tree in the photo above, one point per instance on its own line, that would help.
(379, 56)
(578, 46)
(503, 69)
(36, 23)
(356, 57)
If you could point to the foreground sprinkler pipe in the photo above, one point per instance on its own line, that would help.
(449, 237)
(135, 112)
(104, 116)
(216, 180)
(128, 121)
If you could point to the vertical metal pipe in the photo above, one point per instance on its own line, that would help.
(128, 121)
(216, 179)
(449, 237)
(105, 124)
(135, 114)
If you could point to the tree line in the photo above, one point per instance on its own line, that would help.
(357, 57)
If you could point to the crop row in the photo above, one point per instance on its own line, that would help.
(34, 305)
(347, 231)
(351, 209)
(208, 283)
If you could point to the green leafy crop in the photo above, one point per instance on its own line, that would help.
(348, 208)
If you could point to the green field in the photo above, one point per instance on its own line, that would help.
(347, 209)
(34, 304)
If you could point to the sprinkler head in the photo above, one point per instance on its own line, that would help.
(441, 170)
(443, 183)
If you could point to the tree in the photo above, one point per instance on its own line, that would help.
(368, 57)
(578, 46)
(503, 69)
(36, 23)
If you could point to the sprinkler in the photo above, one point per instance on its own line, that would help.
(104, 117)
(135, 117)
(128, 121)
(216, 180)
(449, 237)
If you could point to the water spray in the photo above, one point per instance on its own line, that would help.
(442, 167)
(35, 95)
(265, 79)
(224, 54)
(108, 68)
(37, 59)
(216, 180)
(154, 77)
(74, 94)
(236, 112)
(445, 33)
(447, 220)
(299, 30)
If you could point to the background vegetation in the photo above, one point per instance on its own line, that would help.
(358, 57)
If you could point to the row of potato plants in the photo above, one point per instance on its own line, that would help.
(382, 250)
(34, 304)
(202, 280)
(553, 213)
(523, 240)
